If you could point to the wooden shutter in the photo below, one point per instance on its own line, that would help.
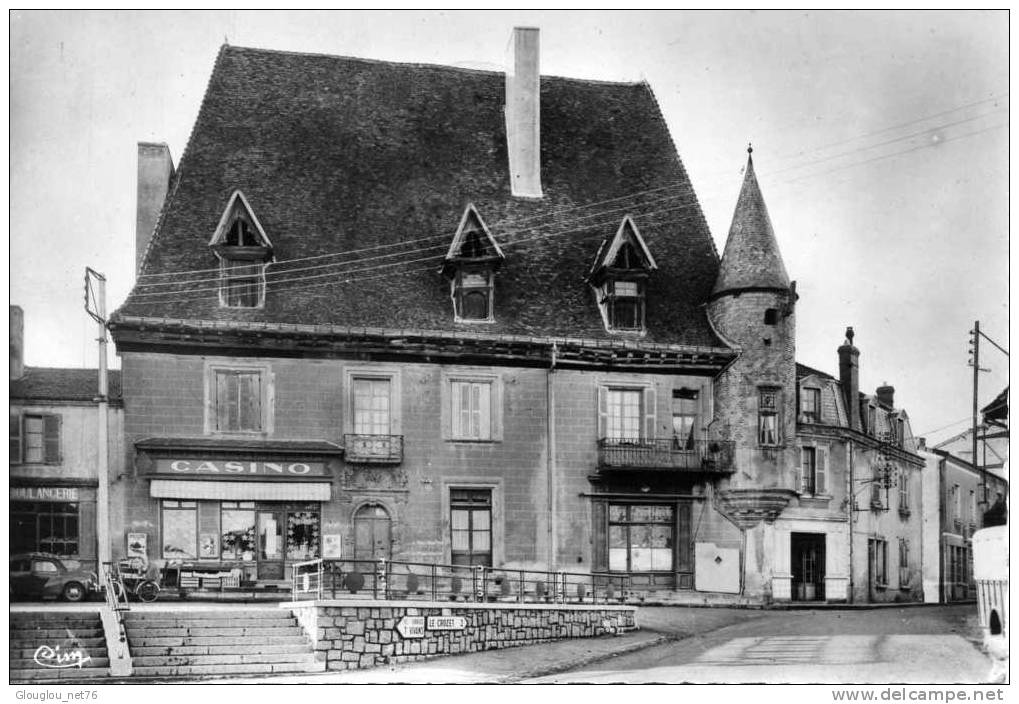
(15, 438)
(821, 470)
(223, 401)
(599, 536)
(250, 394)
(485, 409)
(649, 413)
(603, 412)
(804, 469)
(684, 537)
(455, 409)
(51, 439)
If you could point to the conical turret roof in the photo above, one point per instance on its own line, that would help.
(751, 260)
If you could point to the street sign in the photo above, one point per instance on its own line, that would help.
(447, 623)
(411, 627)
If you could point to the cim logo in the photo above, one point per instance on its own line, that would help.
(47, 656)
(261, 468)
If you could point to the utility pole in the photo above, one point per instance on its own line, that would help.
(95, 306)
(976, 406)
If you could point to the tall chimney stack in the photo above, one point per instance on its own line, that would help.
(849, 375)
(17, 334)
(886, 395)
(155, 169)
(523, 114)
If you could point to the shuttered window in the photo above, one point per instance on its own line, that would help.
(813, 461)
(471, 412)
(626, 415)
(767, 417)
(471, 526)
(238, 401)
(35, 439)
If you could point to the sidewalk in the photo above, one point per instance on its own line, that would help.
(491, 666)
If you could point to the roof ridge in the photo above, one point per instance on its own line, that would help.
(417, 64)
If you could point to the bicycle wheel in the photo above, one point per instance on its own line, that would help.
(147, 591)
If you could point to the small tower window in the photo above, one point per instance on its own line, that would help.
(771, 316)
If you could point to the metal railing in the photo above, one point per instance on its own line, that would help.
(116, 596)
(306, 579)
(394, 579)
(667, 453)
(373, 449)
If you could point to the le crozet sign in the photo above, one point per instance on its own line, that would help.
(226, 468)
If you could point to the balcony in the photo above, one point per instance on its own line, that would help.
(373, 449)
(711, 457)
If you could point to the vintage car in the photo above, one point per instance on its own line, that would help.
(40, 575)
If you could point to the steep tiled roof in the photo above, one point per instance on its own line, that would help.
(50, 384)
(348, 155)
(802, 370)
(751, 259)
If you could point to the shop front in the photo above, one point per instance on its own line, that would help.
(228, 520)
(55, 519)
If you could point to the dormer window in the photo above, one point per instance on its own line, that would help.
(619, 278)
(243, 250)
(470, 265)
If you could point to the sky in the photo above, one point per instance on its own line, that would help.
(880, 144)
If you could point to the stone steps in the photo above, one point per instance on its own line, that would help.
(96, 661)
(211, 642)
(56, 634)
(63, 632)
(31, 643)
(69, 674)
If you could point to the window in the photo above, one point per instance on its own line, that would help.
(471, 526)
(237, 541)
(302, 535)
(44, 567)
(371, 406)
(684, 418)
(900, 431)
(624, 414)
(180, 529)
(810, 405)
(44, 526)
(771, 316)
(879, 561)
(972, 506)
(625, 302)
(872, 420)
(767, 417)
(35, 439)
(903, 563)
(812, 471)
(243, 283)
(904, 492)
(238, 396)
(956, 504)
(471, 416)
(472, 295)
(641, 537)
(877, 483)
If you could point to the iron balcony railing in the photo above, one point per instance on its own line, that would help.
(373, 449)
(396, 579)
(715, 456)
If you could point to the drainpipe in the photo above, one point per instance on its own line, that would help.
(550, 459)
(850, 500)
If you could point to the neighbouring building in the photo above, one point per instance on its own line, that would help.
(54, 421)
(959, 499)
(464, 317)
(992, 438)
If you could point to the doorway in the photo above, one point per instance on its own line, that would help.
(807, 560)
(372, 533)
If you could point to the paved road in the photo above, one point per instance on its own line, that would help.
(888, 645)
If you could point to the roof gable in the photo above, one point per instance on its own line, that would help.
(473, 240)
(626, 250)
(362, 165)
(238, 211)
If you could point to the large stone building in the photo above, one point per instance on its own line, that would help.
(456, 316)
(54, 454)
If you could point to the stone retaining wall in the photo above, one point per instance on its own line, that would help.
(351, 634)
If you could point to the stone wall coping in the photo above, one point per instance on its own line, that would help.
(401, 603)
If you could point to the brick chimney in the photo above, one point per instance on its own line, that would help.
(155, 169)
(849, 376)
(523, 114)
(886, 395)
(17, 334)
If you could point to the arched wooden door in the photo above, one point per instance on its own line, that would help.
(373, 532)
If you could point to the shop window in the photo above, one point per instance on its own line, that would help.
(626, 415)
(238, 400)
(471, 526)
(684, 418)
(641, 537)
(471, 416)
(767, 417)
(371, 406)
(373, 530)
(303, 536)
(810, 405)
(41, 526)
(879, 561)
(237, 541)
(180, 529)
(35, 439)
(812, 471)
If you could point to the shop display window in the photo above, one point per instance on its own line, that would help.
(237, 519)
(641, 537)
(44, 526)
(180, 529)
(302, 535)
